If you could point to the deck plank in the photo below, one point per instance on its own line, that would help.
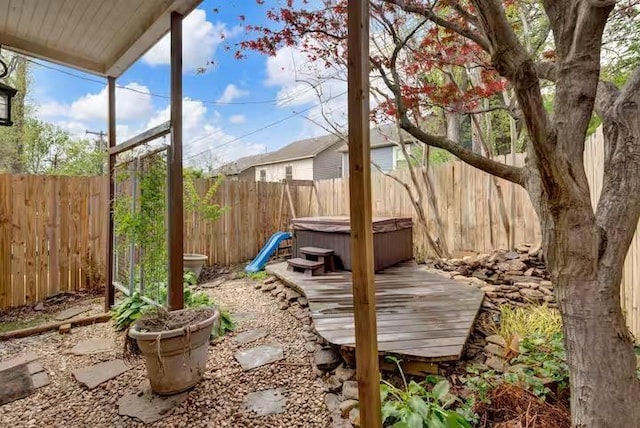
(419, 315)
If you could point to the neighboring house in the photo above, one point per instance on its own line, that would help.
(310, 159)
(240, 169)
(385, 150)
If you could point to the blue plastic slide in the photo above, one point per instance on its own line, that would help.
(267, 251)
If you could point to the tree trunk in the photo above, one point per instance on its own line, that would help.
(602, 363)
(604, 387)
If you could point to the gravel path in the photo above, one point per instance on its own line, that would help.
(215, 402)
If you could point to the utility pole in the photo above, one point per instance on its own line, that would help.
(101, 144)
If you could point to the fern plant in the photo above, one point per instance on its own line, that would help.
(416, 406)
(127, 311)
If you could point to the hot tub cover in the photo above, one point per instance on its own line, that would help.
(342, 224)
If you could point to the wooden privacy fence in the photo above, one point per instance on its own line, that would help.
(468, 206)
(52, 236)
(53, 229)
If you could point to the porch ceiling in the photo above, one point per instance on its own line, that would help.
(103, 37)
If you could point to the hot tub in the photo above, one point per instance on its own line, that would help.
(392, 238)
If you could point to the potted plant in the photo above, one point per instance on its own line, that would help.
(174, 346)
(205, 209)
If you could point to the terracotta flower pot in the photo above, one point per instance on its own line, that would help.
(176, 359)
(194, 262)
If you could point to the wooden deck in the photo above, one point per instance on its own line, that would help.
(420, 316)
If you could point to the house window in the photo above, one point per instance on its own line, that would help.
(399, 161)
(288, 173)
(263, 175)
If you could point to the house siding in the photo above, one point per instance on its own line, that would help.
(327, 164)
(248, 174)
(302, 169)
(381, 156)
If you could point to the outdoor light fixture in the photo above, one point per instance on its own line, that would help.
(6, 94)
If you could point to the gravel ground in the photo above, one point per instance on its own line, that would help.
(215, 402)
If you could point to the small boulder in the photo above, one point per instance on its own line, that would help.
(496, 339)
(332, 402)
(344, 373)
(532, 295)
(326, 359)
(495, 363)
(350, 390)
(346, 406)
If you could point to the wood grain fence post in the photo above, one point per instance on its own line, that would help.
(364, 297)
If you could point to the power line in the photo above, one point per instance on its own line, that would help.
(270, 125)
(285, 100)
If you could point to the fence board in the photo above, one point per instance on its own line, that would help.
(6, 226)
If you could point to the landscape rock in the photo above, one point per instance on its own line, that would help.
(346, 406)
(71, 312)
(259, 356)
(497, 340)
(302, 301)
(266, 402)
(354, 417)
(292, 295)
(310, 346)
(250, 336)
(270, 280)
(95, 345)
(147, 406)
(532, 295)
(39, 307)
(494, 349)
(332, 402)
(283, 306)
(350, 390)
(344, 373)
(326, 359)
(93, 376)
(495, 363)
(512, 266)
(333, 384)
(268, 287)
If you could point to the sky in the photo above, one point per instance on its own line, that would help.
(238, 107)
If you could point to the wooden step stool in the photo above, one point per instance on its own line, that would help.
(323, 255)
(309, 267)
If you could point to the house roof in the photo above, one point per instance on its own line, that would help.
(239, 165)
(302, 149)
(383, 136)
(98, 36)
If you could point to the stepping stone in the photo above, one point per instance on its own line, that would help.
(264, 403)
(93, 376)
(18, 361)
(16, 384)
(40, 379)
(147, 406)
(95, 345)
(250, 336)
(259, 356)
(243, 316)
(71, 312)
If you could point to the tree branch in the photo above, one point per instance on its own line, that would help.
(428, 13)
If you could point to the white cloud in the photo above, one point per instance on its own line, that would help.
(231, 93)
(306, 82)
(205, 142)
(238, 119)
(200, 41)
(132, 104)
